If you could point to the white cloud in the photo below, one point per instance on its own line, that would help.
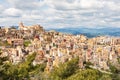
(114, 6)
(91, 4)
(62, 13)
(12, 12)
(27, 4)
(1, 7)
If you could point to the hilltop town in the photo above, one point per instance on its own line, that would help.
(53, 47)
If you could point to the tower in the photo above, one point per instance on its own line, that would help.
(21, 26)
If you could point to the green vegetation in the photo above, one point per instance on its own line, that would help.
(2, 66)
(4, 43)
(89, 74)
(26, 43)
(66, 71)
(71, 71)
(87, 64)
(0, 51)
(115, 72)
(113, 69)
(118, 60)
(20, 71)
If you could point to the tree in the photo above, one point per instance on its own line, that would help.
(26, 43)
(19, 71)
(89, 74)
(65, 70)
(2, 66)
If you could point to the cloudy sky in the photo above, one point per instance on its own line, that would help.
(61, 13)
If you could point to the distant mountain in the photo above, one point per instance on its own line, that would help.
(91, 32)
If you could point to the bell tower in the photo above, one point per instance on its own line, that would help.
(21, 26)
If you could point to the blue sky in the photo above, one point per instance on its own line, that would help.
(61, 13)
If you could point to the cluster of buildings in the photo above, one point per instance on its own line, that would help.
(53, 48)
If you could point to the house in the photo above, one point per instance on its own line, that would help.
(2, 32)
